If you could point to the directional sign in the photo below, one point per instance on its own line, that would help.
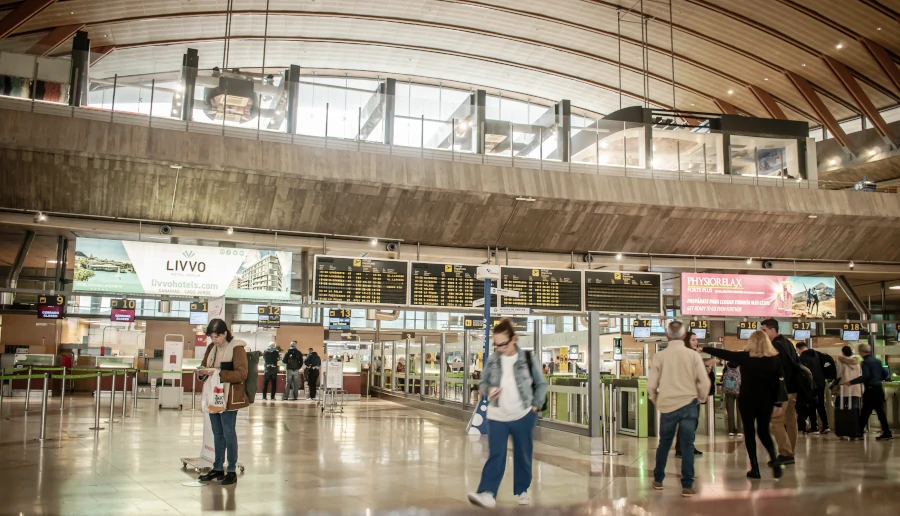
(479, 301)
(504, 292)
(510, 310)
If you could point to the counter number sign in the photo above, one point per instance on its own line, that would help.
(51, 307)
(748, 325)
(269, 316)
(802, 325)
(122, 310)
(702, 325)
(338, 319)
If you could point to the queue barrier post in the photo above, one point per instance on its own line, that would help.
(27, 389)
(97, 406)
(194, 390)
(44, 406)
(62, 394)
(112, 397)
(711, 417)
(134, 392)
(124, 394)
(604, 418)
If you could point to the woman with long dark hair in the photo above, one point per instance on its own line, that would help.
(758, 400)
(227, 356)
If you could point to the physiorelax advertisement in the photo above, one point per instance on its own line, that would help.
(127, 267)
(757, 296)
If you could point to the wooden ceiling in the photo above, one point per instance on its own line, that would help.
(551, 50)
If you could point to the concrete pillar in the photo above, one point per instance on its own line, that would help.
(726, 153)
(480, 120)
(564, 136)
(184, 106)
(79, 73)
(390, 101)
(595, 425)
(292, 75)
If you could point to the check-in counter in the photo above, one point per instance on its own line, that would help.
(636, 413)
(25, 360)
(115, 363)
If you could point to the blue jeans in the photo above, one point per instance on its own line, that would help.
(685, 419)
(522, 431)
(224, 439)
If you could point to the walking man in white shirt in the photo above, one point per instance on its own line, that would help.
(514, 385)
(676, 385)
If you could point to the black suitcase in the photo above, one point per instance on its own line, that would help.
(846, 417)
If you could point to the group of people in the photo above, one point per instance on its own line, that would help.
(765, 380)
(296, 367)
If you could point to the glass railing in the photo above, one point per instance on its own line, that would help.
(353, 117)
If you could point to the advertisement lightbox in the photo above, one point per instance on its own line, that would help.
(127, 267)
(757, 296)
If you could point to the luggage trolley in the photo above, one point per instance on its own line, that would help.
(334, 386)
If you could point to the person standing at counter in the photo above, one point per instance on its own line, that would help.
(515, 388)
(759, 392)
(270, 359)
(312, 363)
(229, 357)
(293, 361)
(677, 384)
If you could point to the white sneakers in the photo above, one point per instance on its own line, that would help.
(485, 500)
(488, 501)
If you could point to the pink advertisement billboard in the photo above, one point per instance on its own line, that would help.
(757, 296)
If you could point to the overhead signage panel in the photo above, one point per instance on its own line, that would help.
(476, 322)
(542, 289)
(445, 285)
(623, 292)
(127, 267)
(51, 307)
(757, 296)
(269, 316)
(339, 319)
(122, 310)
(360, 280)
(199, 312)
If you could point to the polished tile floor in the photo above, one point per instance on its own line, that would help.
(377, 455)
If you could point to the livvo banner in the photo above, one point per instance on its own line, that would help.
(126, 267)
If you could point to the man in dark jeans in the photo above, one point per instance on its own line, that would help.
(312, 363)
(270, 358)
(873, 374)
(811, 360)
(784, 425)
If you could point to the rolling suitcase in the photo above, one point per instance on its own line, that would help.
(846, 417)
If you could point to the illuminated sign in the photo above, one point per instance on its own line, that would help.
(623, 292)
(199, 312)
(757, 295)
(542, 289)
(51, 307)
(360, 280)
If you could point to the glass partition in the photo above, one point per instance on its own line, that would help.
(432, 368)
(453, 361)
(764, 157)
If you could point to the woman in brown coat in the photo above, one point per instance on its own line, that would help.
(229, 357)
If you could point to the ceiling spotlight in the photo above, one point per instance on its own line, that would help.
(832, 162)
(873, 152)
(230, 230)
(618, 256)
(894, 287)
(852, 265)
(749, 261)
(52, 261)
(730, 92)
(803, 64)
(603, 144)
(374, 241)
(765, 78)
(813, 216)
(839, 46)
(879, 28)
(40, 217)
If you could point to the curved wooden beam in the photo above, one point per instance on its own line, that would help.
(21, 14)
(54, 38)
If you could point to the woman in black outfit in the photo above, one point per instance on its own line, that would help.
(758, 399)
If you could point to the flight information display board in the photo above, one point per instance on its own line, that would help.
(623, 292)
(542, 289)
(360, 280)
(441, 285)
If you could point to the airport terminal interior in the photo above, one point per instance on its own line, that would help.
(361, 192)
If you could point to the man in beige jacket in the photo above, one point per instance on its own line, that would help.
(677, 384)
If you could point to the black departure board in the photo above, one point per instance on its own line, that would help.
(542, 289)
(445, 285)
(623, 292)
(360, 280)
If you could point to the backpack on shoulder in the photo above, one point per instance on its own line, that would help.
(531, 372)
(731, 383)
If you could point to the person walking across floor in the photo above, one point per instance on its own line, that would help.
(811, 360)
(873, 373)
(678, 383)
(846, 407)
(784, 423)
(312, 363)
(513, 382)
(691, 341)
(270, 359)
(228, 356)
(293, 361)
(758, 399)
(731, 388)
